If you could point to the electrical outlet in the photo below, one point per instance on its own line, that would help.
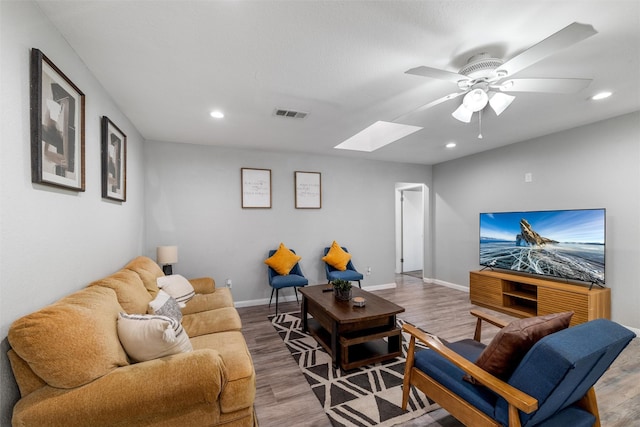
(528, 177)
(368, 271)
(229, 283)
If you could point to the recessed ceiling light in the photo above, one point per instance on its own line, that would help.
(377, 135)
(450, 145)
(217, 114)
(601, 95)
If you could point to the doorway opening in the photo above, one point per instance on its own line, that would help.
(410, 236)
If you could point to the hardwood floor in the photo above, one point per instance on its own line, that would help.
(284, 398)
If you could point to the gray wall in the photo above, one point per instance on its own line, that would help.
(193, 200)
(53, 242)
(592, 166)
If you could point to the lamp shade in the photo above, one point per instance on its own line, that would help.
(167, 254)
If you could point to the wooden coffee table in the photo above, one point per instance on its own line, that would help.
(353, 336)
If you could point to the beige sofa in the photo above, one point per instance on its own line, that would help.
(72, 369)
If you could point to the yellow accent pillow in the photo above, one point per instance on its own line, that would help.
(337, 257)
(283, 260)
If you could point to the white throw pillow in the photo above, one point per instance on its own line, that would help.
(165, 305)
(148, 336)
(178, 287)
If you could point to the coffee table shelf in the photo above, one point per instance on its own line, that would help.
(362, 347)
(320, 334)
(353, 336)
(369, 348)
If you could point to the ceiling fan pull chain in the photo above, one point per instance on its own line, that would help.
(480, 124)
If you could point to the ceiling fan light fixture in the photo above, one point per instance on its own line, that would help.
(463, 114)
(475, 100)
(500, 101)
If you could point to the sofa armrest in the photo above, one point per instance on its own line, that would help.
(477, 336)
(134, 392)
(203, 285)
(516, 398)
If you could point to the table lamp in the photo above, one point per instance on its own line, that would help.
(167, 255)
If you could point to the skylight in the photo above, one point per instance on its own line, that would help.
(376, 136)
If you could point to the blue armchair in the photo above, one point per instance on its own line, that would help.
(350, 274)
(551, 386)
(294, 279)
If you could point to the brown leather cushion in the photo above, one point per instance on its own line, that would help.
(509, 346)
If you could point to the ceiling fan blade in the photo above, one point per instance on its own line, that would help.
(436, 73)
(566, 37)
(545, 85)
(429, 105)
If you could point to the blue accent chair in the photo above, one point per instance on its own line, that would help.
(552, 386)
(294, 279)
(350, 274)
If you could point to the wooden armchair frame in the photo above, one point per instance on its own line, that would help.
(454, 404)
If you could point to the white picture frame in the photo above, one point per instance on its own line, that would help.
(308, 190)
(256, 188)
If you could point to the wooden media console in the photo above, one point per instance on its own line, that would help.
(524, 296)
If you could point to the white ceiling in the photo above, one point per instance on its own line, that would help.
(167, 64)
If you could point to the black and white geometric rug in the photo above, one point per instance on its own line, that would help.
(366, 396)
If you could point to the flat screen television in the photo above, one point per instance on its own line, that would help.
(564, 244)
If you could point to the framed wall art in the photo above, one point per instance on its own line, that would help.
(57, 126)
(114, 161)
(256, 188)
(308, 188)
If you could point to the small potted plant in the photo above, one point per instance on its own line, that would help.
(342, 289)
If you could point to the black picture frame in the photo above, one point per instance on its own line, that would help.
(57, 126)
(114, 161)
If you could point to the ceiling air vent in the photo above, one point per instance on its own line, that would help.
(290, 113)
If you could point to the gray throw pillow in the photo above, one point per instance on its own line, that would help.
(165, 305)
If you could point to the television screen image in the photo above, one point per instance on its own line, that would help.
(566, 244)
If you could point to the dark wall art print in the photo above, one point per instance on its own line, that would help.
(57, 126)
(114, 161)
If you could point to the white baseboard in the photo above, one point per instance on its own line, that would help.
(265, 301)
(251, 303)
(292, 297)
(447, 284)
(380, 287)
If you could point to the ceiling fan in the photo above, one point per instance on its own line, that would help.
(484, 79)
